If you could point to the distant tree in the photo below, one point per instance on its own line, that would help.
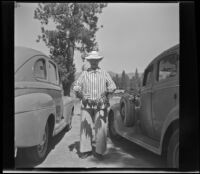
(117, 81)
(127, 82)
(137, 79)
(140, 82)
(124, 80)
(132, 83)
(76, 26)
(136, 73)
(141, 79)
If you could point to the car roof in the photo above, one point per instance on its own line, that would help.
(171, 49)
(23, 54)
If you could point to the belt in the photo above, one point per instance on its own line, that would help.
(101, 103)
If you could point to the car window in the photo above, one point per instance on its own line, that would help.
(167, 67)
(53, 73)
(148, 76)
(40, 69)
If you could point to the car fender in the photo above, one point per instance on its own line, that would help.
(31, 114)
(114, 108)
(172, 116)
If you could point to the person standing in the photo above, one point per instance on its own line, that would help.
(93, 87)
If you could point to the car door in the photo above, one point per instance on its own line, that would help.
(146, 106)
(56, 89)
(165, 90)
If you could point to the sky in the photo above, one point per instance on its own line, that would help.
(133, 34)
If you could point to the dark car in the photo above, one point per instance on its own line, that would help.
(151, 119)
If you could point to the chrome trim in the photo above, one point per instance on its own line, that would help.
(164, 87)
(38, 85)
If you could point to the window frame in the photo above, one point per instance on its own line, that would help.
(158, 68)
(150, 68)
(45, 65)
(56, 69)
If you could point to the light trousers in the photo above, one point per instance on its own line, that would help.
(93, 132)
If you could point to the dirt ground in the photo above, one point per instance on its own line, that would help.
(64, 150)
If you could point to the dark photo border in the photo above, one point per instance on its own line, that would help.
(189, 85)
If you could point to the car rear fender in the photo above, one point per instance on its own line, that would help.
(173, 117)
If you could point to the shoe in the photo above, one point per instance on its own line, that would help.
(98, 156)
(84, 155)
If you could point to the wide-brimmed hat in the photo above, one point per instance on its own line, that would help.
(94, 55)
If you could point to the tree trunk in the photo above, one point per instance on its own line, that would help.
(66, 88)
(70, 55)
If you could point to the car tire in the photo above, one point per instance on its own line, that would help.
(38, 153)
(111, 127)
(127, 111)
(173, 150)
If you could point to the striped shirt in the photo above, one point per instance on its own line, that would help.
(93, 83)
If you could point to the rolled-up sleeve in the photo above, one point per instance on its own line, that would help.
(110, 83)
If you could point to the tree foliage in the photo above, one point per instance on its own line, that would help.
(80, 19)
(124, 82)
(116, 79)
(138, 80)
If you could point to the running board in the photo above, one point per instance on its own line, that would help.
(59, 126)
(135, 135)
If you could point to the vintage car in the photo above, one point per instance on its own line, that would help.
(41, 110)
(151, 119)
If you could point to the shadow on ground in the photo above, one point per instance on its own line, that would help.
(128, 154)
(75, 146)
(124, 154)
(23, 162)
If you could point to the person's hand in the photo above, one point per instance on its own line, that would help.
(77, 88)
(103, 115)
(84, 101)
(79, 94)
